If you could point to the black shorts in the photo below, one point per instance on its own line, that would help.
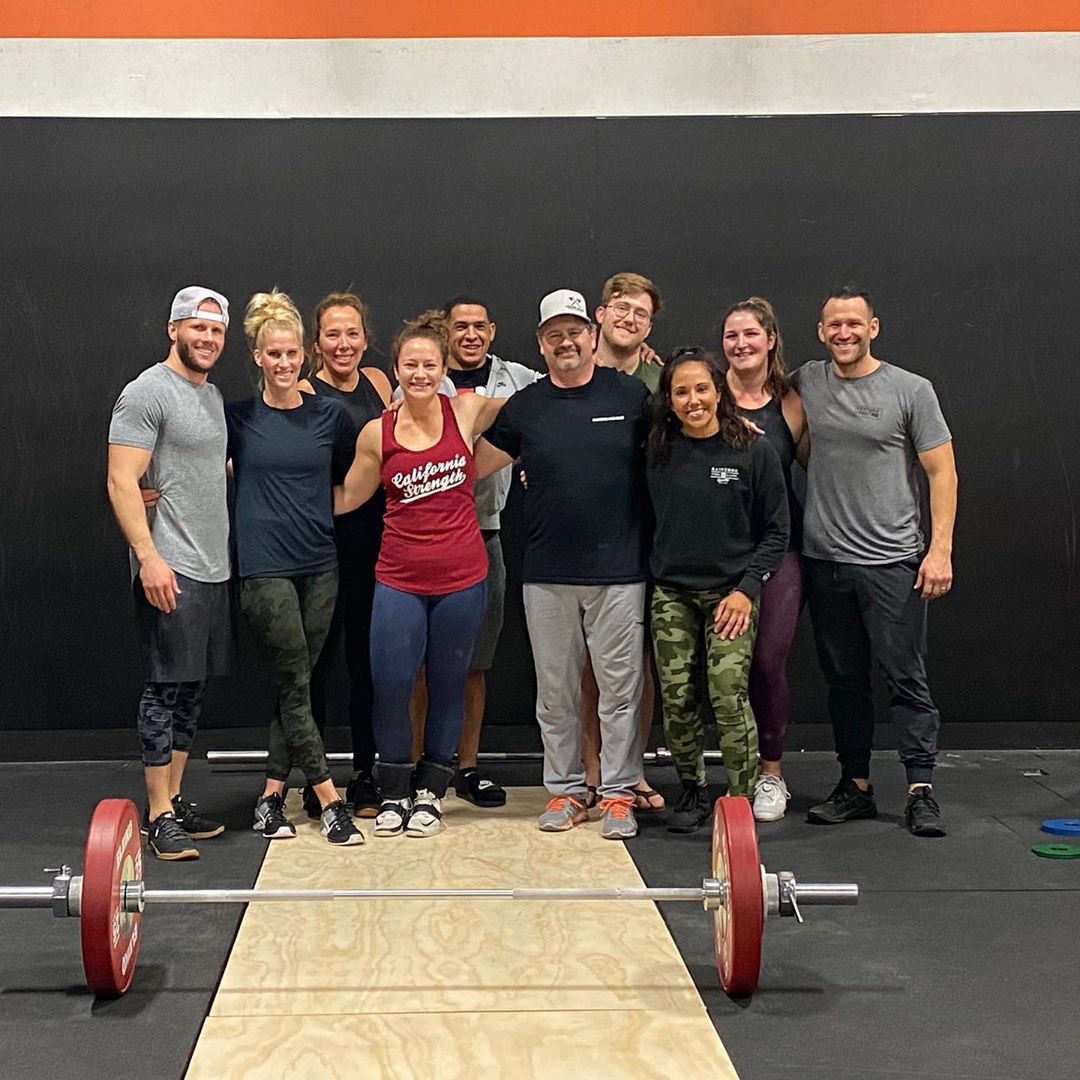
(194, 642)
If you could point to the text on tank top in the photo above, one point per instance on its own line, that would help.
(431, 539)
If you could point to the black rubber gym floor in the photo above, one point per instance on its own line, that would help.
(960, 963)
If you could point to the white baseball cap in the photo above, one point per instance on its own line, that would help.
(562, 302)
(186, 303)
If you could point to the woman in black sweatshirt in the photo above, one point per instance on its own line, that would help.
(721, 510)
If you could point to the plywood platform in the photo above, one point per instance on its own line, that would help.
(404, 988)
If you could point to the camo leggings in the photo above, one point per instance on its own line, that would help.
(290, 618)
(681, 621)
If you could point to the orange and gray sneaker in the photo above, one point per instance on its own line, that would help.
(561, 813)
(617, 821)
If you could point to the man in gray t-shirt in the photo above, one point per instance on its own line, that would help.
(168, 434)
(871, 564)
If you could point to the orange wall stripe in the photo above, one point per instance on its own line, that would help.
(522, 18)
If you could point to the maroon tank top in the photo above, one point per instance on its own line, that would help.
(431, 540)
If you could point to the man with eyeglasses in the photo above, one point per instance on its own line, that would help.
(579, 434)
(624, 320)
(625, 316)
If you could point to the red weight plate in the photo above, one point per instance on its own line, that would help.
(110, 937)
(739, 922)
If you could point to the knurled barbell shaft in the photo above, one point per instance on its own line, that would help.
(245, 896)
(26, 896)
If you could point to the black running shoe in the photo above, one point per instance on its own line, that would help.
(312, 806)
(846, 803)
(192, 822)
(270, 819)
(922, 815)
(469, 785)
(362, 796)
(167, 840)
(338, 827)
(692, 810)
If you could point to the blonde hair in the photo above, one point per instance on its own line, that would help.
(271, 311)
(430, 325)
(335, 299)
(628, 284)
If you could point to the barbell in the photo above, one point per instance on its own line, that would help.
(109, 897)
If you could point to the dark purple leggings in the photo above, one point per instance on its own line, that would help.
(770, 696)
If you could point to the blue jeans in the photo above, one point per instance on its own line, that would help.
(405, 628)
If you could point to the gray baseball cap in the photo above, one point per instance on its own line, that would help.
(186, 303)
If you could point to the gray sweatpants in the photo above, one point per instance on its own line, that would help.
(564, 621)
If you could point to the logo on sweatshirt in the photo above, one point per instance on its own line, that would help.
(723, 474)
(430, 478)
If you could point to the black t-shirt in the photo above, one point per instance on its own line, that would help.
(284, 462)
(470, 378)
(721, 515)
(359, 532)
(582, 449)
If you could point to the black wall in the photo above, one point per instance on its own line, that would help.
(965, 227)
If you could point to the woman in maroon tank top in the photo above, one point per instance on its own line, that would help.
(430, 577)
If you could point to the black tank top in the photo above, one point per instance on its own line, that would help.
(770, 418)
(359, 533)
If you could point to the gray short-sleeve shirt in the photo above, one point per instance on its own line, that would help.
(862, 490)
(183, 425)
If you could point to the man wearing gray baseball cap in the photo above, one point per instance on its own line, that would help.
(580, 436)
(168, 433)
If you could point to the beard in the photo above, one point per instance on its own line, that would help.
(183, 351)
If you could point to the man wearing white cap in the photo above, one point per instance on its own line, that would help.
(579, 435)
(168, 432)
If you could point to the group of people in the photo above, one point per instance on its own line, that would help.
(662, 529)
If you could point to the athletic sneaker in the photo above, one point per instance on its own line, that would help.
(692, 810)
(922, 815)
(362, 796)
(192, 822)
(469, 786)
(167, 839)
(425, 818)
(270, 818)
(561, 813)
(770, 798)
(617, 821)
(846, 802)
(393, 816)
(312, 806)
(338, 827)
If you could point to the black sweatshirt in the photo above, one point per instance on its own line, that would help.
(721, 515)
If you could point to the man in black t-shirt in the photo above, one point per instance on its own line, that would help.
(579, 435)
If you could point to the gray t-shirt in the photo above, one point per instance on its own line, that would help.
(183, 425)
(862, 490)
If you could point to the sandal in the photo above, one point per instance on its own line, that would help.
(593, 796)
(644, 800)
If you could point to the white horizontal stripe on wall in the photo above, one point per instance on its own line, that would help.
(514, 77)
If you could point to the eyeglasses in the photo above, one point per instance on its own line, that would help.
(554, 337)
(622, 309)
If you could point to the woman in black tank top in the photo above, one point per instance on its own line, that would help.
(340, 338)
(757, 379)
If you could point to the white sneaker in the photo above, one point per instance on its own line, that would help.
(426, 816)
(770, 798)
(392, 817)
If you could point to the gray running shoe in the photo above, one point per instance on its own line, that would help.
(617, 821)
(561, 813)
